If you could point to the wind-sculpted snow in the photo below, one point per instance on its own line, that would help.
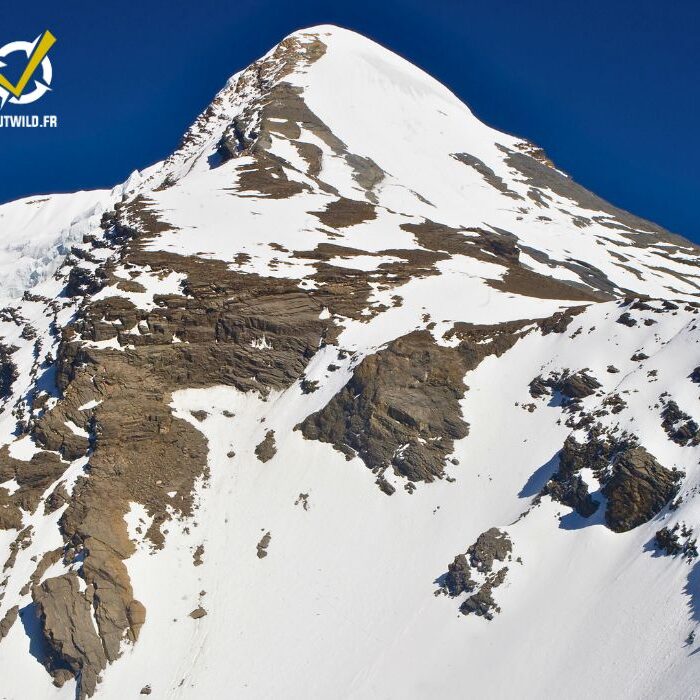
(351, 395)
(37, 233)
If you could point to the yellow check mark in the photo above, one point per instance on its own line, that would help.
(38, 55)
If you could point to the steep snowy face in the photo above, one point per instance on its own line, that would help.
(348, 380)
(331, 115)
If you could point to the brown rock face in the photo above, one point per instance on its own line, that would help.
(22, 541)
(10, 514)
(116, 612)
(636, 486)
(573, 492)
(398, 398)
(578, 385)
(458, 579)
(33, 476)
(281, 110)
(346, 212)
(500, 247)
(491, 546)
(57, 498)
(7, 621)
(560, 321)
(482, 602)
(47, 560)
(138, 450)
(263, 545)
(677, 540)
(266, 450)
(8, 370)
(679, 426)
(638, 489)
(401, 407)
(566, 485)
(571, 385)
(66, 619)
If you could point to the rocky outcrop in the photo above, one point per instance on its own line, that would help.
(56, 499)
(8, 619)
(303, 501)
(117, 614)
(498, 246)
(198, 555)
(566, 485)
(491, 546)
(65, 615)
(482, 602)
(10, 513)
(543, 178)
(637, 489)
(560, 321)
(33, 477)
(22, 541)
(458, 579)
(677, 540)
(486, 173)
(578, 385)
(64, 431)
(82, 282)
(679, 426)
(635, 485)
(346, 212)
(615, 403)
(308, 386)
(626, 320)
(8, 370)
(573, 386)
(267, 449)
(279, 110)
(473, 573)
(279, 107)
(400, 409)
(263, 545)
(47, 560)
(198, 613)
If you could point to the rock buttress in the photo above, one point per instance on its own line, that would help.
(400, 408)
(73, 645)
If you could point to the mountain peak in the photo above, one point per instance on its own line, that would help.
(344, 379)
(327, 110)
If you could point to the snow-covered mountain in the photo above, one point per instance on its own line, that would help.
(351, 396)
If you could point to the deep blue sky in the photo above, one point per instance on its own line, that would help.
(610, 88)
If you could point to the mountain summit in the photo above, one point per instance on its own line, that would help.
(350, 396)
